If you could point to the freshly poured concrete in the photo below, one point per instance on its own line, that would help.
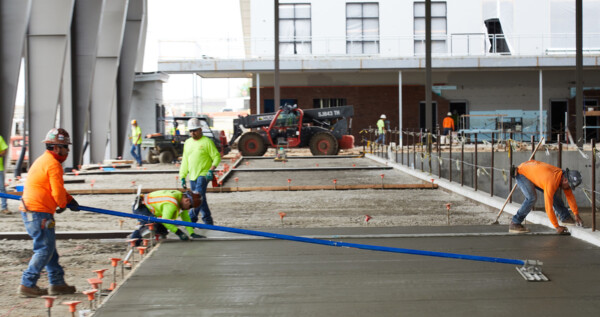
(261, 277)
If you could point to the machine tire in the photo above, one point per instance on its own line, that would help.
(151, 158)
(323, 143)
(252, 144)
(165, 157)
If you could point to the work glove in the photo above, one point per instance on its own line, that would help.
(197, 236)
(182, 236)
(60, 210)
(210, 175)
(183, 183)
(73, 205)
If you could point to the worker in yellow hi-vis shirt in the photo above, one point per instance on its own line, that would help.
(199, 160)
(136, 142)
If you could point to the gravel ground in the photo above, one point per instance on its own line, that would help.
(253, 210)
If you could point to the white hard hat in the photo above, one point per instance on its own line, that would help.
(194, 124)
(449, 113)
(382, 116)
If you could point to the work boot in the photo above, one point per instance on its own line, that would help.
(568, 221)
(197, 236)
(62, 289)
(517, 228)
(6, 212)
(34, 291)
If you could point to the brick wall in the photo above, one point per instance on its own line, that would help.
(369, 102)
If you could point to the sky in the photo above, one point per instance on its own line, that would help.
(192, 28)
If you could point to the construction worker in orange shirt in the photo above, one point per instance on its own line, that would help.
(448, 125)
(44, 194)
(534, 175)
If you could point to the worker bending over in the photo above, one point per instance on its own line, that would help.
(199, 160)
(448, 125)
(166, 204)
(532, 175)
(43, 195)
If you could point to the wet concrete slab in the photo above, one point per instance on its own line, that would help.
(250, 277)
(315, 171)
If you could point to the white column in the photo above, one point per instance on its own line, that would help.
(257, 93)
(400, 105)
(541, 106)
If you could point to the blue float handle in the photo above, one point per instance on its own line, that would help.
(296, 238)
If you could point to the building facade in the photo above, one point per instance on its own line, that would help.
(496, 65)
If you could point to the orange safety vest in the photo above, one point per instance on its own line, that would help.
(45, 188)
(448, 123)
(548, 178)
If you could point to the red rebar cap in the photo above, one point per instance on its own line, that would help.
(94, 282)
(100, 273)
(91, 294)
(114, 261)
(72, 305)
(49, 300)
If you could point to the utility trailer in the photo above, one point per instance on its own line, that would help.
(325, 131)
(166, 148)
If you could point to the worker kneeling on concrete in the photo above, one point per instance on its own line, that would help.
(532, 175)
(166, 204)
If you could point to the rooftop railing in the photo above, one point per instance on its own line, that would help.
(443, 46)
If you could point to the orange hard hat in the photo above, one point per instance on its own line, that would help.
(133, 121)
(57, 136)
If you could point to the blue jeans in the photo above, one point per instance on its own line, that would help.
(40, 227)
(136, 151)
(529, 191)
(199, 185)
(158, 227)
(2, 190)
(381, 138)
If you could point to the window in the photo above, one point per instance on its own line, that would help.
(438, 27)
(362, 28)
(496, 36)
(329, 102)
(294, 29)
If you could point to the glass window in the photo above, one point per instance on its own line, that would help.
(295, 29)
(362, 28)
(438, 27)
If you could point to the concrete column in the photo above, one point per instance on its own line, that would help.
(47, 42)
(14, 17)
(112, 27)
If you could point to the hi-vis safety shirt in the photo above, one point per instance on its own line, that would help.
(3, 147)
(448, 123)
(136, 135)
(45, 187)
(380, 126)
(198, 157)
(165, 204)
(548, 178)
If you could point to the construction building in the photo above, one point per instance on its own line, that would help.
(512, 61)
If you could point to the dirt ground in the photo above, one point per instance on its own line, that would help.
(252, 210)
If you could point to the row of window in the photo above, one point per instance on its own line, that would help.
(362, 28)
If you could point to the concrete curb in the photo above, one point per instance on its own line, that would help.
(536, 217)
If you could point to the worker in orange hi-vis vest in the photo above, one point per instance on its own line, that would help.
(534, 175)
(448, 125)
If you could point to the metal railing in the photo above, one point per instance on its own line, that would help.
(484, 165)
(455, 45)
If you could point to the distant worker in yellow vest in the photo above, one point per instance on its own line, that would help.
(448, 125)
(381, 130)
(136, 142)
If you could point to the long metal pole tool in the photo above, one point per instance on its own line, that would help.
(529, 269)
(515, 185)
